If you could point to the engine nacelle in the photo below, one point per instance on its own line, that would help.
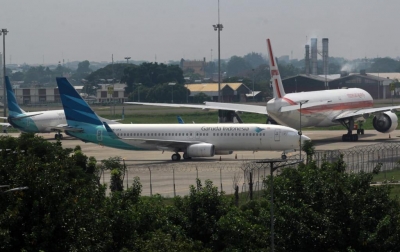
(200, 150)
(385, 122)
(218, 152)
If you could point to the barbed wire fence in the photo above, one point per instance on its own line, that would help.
(173, 179)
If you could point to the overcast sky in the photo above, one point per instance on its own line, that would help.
(52, 30)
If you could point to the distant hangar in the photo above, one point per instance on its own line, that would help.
(378, 85)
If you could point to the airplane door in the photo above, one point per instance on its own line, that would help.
(99, 135)
(277, 135)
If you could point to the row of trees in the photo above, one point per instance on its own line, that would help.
(66, 208)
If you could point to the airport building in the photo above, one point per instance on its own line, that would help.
(51, 95)
(377, 85)
(230, 92)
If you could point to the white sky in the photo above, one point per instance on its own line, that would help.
(173, 29)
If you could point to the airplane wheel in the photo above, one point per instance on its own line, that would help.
(354, 138)
(362, 131)
(176, 157)
(283, 156)
(61, 136)
(185, 156)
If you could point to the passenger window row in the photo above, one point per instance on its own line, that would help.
(238, 134)
(186, 134)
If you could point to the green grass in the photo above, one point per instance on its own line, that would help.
(393, 175)
(395, 192)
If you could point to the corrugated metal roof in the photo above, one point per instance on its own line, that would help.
(211, 87)
(391, 76)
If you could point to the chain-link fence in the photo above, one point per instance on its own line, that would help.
(172, 179)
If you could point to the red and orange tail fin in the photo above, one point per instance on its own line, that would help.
(277, 85)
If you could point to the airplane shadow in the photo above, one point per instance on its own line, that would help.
(366, 138)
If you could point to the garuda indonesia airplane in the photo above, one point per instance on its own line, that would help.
(193, 140)
(35, 122)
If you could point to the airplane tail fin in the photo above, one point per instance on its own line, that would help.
(13, 108)
(277, 85)
(75, 108)
(180, 120)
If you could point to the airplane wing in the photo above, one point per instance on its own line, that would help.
(305, 105)
(365, 112)
(212, 105)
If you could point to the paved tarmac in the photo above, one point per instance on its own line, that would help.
(158, 174)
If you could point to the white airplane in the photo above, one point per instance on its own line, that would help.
(35, 122)
(194, 140)
(313, 109)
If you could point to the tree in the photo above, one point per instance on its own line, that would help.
(117, 170)
(236, 65)
(111, 71)
(254, 59)
(384, 65)
(63, 208)
(83, 67)
(324, 208)
(202, 210)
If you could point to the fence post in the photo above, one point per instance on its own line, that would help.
(251, 186)
(151, 187)
(173, 178)
(220, 177)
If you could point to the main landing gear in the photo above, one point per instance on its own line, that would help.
(350, 137)
(177, 156)
(58, 136)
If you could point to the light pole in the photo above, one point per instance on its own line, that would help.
(127, 59)
(172, 84)
(4, 32)
(218, 27)
(301, 133)
(138, 89)
(253, 84)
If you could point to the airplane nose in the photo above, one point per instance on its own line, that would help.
(304, 138)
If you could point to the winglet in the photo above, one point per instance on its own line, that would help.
(13, 108)
(75, 108)
(277, 85)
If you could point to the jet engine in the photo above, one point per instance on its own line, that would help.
(218, 152)
(385, 122)
(200, 150)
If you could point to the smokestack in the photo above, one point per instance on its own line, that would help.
(325, 55)
(314, 52)
(307, 59)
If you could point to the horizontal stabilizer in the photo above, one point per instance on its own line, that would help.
(24, 116)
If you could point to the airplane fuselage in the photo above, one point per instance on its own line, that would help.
(224, 137)
(340, 101)
(38, 122)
